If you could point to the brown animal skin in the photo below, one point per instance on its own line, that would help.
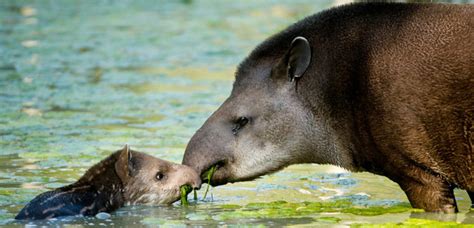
(125, 177)
(381, 87)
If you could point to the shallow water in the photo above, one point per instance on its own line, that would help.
(79, 79)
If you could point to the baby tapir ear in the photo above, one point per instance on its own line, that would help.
(123, 165)
(298, 58)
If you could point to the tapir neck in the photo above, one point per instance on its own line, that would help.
(331, 140)
(102, 183)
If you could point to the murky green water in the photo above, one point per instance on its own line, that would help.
(79, 79)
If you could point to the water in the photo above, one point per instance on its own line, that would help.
(79, 79)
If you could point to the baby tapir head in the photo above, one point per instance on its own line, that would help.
(125, 177)
(150, 180)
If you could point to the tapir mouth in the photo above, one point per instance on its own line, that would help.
(218, 177)
(223, 174)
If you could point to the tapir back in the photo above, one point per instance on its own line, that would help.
(418, 102)
(59, 203)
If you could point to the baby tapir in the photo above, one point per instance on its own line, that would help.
(126, 177)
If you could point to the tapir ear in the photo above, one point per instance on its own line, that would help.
(298, 58)
(123, 165)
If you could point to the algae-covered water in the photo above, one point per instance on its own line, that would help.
(79, 79)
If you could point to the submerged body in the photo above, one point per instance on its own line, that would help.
(381, 87)
(125, 177)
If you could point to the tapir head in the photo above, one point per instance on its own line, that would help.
(150, 180)
(264, 125)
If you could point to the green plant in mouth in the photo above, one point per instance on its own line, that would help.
(185, 189)
(208, 174)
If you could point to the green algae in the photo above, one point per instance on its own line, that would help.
(283, 209)
(415, 222)
(328, 219)
(41, 156)
(378, 210)
(230, 206)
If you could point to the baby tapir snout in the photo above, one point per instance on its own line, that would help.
(187, 176)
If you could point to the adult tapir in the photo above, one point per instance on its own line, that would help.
(381, 87)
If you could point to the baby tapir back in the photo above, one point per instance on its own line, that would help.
(66, 201)
(125, 177)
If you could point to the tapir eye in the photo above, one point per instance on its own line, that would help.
(159, 176)
(239, 124)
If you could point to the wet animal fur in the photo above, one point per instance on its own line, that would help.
(390, 87)
(125, 177)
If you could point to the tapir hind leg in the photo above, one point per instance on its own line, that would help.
(429, 192)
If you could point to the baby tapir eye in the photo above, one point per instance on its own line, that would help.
(239, 124)
(159, 176)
